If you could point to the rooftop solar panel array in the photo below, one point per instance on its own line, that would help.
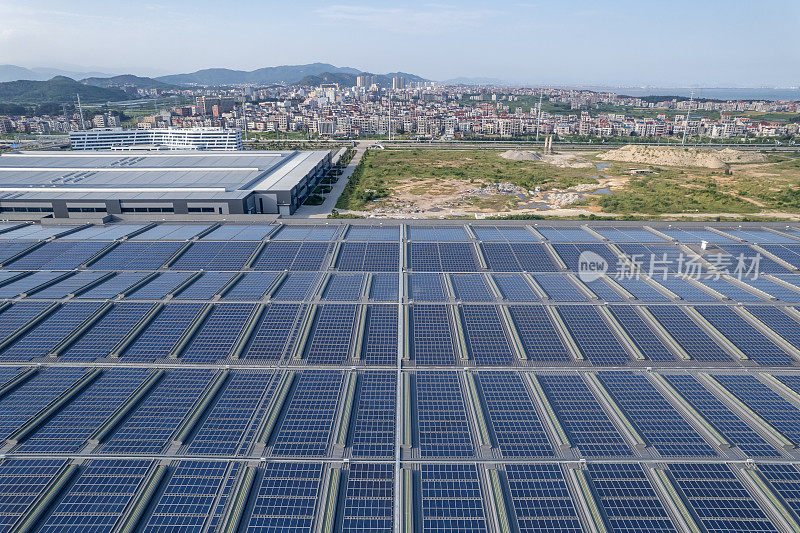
(405, 376)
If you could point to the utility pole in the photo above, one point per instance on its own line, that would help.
(686, 122)
(538, 118)
(80, 110)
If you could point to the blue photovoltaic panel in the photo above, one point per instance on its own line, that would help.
(103, 233)
(149, 428)
(158, 288)
(307, 233)
(656, 260)
(211, 255)
(251, 286)
(137, 255)
(685, 290)
(443, 257)
(778, 412)
(35, 232)
(62, 255)
(223, 430)
(297, 286)
(188, 497)
(307, 425)
(744, 336)
(332, 335)
(287, 498)
(69, 285)
(729, 290)
(25, 401)
(451, 498)
(68, 431)
(22, 483)
(649, 344)
(471, 288)
(776, 290)
(594, 338)
(785, 480)
(431, 335)
(170, 232)
(588, 426)
(694, 235)
(714, 411)
(237, 232)
(219, 333)
(7, 274)
(654, 417)
(15, 288)
(640, 289)
(603, 290)
(114, 286)
(373, 233)
(559, 288)
(565, 234)
(517, 257)
(627, 234)
(485, 336)
(627, 499)
(694, 341)
(791, 279)
(375, 415)
(52, 330)
(779, 322)
(107, 332)
(7, 374)
(571, 255)
(292, 256)
(718, 498)
(386, 288)
(225, 492)
(745, 259)
(425, 256)
(346, 287)
(537, 333)
(442, 416)
(206, 286)
(369, 257)
(760, 236)
(437, 233)
(380, 335)
(161, 334)
(14, 317)
(276, 333)
(426, 287)
(788, 252)
(541, 499)
(99, 497)
(504, 233)
(9, 249)
(514, 288)
(513, 417)
(369, 498)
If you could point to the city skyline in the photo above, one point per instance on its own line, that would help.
(526, 43)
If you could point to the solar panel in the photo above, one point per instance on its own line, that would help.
(210, 255)
(375, 415)
(308, 256)
(222, 432)
(286, 499)
(583, 419)
(69, 430)
(517, 257)
(205, 287)
(345, 287)
(105, 334)
(565, 234)
(594, 338)
(170, 232)
(471, 288)
(537, 334)
(443, 257)
(627, 234)
(431, 335)
(68, 286)
(22, 483)
(442, 416)
(785, 481)
(571, 256)
(114, 286)
(59, 255)
(640, 290)
(779, 322)
(451, 498)
(694, 235)
(649, 344)
(514, 288)
(504, 233)
(373, 233)
(137, 255)
(306, 428)
(307, 233)
(437, 233)
(759, 236)
(14, 317)
(15, 288)
(369, 498)
(219, 333)
(157, 340)
(694, 341)
(788, 252)
(34, 232)
(730, 290)
(744, 336)
(559, 288)
(298, 286)
(380, 335)
(384, 288)
(369, 257)
(332, 334)
(149, 428)
(603, 290)
(236, 232)
(9, 249)
(485, 336)
(658, 260)
(685, 290)
(714, 411)
(251, 286)
(162, 285)
(541, 499)
(750, 259)
(426, 287)
(718, 498)
(516, 424)
(99, 497)
(774, 289)
(277, 330)
(627, 499)
(654, 417)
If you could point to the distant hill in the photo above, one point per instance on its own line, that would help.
(284, 74)
(128, 79)
(348, 80)
(56, 90)
(14, 73)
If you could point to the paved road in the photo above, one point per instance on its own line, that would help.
(324, 209)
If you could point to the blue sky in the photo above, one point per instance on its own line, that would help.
(655, 42)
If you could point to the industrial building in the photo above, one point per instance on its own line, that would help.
(156, 139)
(99, 183)
(399, 376)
